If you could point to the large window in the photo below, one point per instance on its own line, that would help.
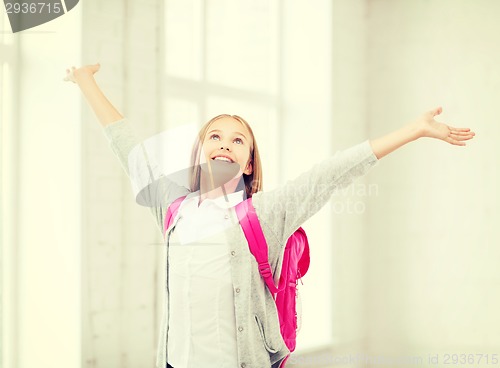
(223, 57)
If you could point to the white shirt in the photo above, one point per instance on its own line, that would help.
(202, 331)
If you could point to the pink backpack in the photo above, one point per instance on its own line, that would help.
(295, 265)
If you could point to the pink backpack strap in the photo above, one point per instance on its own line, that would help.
(172, 211)
(256, 241)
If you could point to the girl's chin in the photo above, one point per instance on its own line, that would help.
(221, 171)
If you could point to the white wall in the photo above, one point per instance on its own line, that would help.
(305, 135)
(121, 285)
(433, 235)
(47, 261)
(347, 317)
(348, 127)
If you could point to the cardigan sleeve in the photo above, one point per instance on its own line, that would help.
(150, 186)
(283, 210)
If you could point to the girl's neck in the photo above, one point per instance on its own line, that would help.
(207, 191)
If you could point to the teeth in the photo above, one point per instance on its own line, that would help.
(222, 159)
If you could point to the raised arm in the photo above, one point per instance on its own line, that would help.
(106, 113)
(285, 208)
(151, 187)
(425, 126)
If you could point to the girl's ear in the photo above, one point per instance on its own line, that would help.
(249, 168)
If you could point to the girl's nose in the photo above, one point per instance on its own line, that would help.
(223, 147)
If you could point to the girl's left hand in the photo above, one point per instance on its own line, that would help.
(431, 128)
(75, 74)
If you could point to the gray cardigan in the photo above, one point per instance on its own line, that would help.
(280, 211)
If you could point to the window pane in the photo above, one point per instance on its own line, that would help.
(242, 48)
(183, 48)
(264, 123)
(180, 112)
(174, 144)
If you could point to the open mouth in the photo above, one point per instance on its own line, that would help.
(222, 158)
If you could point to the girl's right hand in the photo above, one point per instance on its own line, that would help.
(73, 74)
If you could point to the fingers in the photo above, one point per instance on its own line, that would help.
(459, 136)
(457, 140)
(68, 77)
(456, 136)
(459, 129)
(463, 132)
(453, 140)
(457, 143)
(95, 67)
(436, 111)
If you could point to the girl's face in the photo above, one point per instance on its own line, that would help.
(228, 139)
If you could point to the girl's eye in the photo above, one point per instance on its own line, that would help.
(215, 137)
(238, 140)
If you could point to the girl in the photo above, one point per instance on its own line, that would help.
(218, 312)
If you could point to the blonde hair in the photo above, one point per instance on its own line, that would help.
(253, 182)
